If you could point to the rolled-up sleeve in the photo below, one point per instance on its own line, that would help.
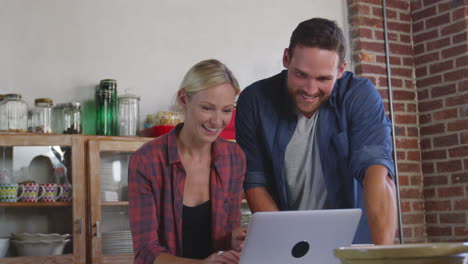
(142, 211)
(370, 134)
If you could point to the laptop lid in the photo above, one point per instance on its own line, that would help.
(298, 236)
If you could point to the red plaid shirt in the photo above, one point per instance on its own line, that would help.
(155, 188)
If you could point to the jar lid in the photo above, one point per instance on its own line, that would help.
(12, 96)
(108, 84)
(129, 96)
(47, 101)
(108, 81)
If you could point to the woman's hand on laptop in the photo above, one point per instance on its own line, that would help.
(223, 257)
(238, 237)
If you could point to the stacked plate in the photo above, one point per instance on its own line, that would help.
(117, 243)
(109, 186)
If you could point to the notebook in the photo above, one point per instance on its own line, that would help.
(299, 236)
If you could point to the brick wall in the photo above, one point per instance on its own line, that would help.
(441, 60)
(367, 37)
(428, 57)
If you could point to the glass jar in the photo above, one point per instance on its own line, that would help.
(129, 113)
(104, 113)
(107, 108)
(42, 115)
(13, 114)
(57, 118)
(72, 118)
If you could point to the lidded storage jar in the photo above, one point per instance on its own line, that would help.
(42, 115)
(129, 113)
(106, 108)
(13, 114)
(72, 118)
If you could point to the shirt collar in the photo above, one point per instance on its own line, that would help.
(172, 151)
(289, 107)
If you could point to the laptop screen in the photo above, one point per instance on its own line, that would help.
(299, 236)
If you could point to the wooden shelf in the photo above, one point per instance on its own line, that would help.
(38, 204)
(120, 203)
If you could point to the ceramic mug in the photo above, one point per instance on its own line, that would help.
(9, 192)
(32, 192)
(52, 192)
(67, 192)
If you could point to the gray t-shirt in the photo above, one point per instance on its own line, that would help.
(302, 168)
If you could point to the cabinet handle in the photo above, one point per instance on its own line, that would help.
(78, 226)
(98, 229)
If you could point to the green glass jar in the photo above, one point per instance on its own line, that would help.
(107, 108)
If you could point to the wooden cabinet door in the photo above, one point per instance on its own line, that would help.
(109, 227)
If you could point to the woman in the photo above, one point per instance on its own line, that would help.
(185, 187)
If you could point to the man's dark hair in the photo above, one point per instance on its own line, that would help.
(319, 33)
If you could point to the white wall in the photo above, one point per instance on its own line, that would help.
(62, 48)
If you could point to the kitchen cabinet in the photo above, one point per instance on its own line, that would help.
(66, 156)
(96, 166)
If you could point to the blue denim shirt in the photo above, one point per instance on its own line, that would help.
(353, 134)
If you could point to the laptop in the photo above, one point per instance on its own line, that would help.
(290, 237)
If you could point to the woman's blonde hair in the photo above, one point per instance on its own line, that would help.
(207, 74)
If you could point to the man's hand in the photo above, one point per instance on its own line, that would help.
(380, 203)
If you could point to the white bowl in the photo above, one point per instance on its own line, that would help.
(4, 243)
(40, 248)
(38, 236)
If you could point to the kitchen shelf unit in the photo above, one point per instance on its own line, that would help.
(83, 215)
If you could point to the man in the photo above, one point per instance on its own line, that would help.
(316, 137)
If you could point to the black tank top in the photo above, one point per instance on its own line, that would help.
(196, 231)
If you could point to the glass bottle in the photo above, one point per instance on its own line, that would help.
(129, 113)
(72, 118)
(42, 115)
(13, 114)
(104, 113)
(107, 108)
